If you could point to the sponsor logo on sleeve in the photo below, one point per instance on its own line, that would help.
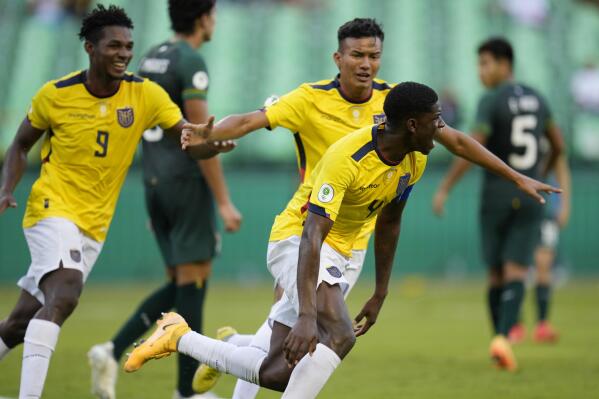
(272, 100)
(326, 193)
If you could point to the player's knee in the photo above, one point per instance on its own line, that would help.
(274, 374)
(342, 340)
(13, 329)
(62, 305)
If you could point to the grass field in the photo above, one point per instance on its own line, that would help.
(431, 342)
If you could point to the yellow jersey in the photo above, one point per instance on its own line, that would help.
(319, 115)
(89, 145)
(350, 185)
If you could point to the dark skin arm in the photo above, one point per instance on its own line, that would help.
(16, 162)
(386, 236)
(303, 337)
(472, 149)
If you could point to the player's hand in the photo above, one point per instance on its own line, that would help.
(532, 187)
(193, 134)
(302, 339)
(439, 202)
(231, 217)
(368, 315)
(221, 146)
(7, 201)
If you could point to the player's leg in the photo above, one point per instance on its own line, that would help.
(13, 327)
(336, 339)
(544, 259)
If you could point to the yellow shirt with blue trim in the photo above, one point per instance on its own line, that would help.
(350, 185)
(89, 145)
(319, 115)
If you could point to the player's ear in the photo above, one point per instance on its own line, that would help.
(412, 125)
(337, 59)
(89, 47)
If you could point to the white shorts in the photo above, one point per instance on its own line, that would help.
(282, 258)
(353, 270)
(53, 241)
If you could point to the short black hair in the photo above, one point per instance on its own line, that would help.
(183, 13)
(499, 47)
(360, 27)
(100, 17)
(408, 99)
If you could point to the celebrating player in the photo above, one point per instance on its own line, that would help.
(371, 171)
(93, 120)
(187, 241)
(510, 121)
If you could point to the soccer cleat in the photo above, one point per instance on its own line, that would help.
(206, 377)
(517, 334)
(502, 355)
(161, 343)
(104, 370)
(207, 395)
(545, 333)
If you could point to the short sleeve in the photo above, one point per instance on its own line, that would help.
(160, 110)
(333, 175)
(41, 105)
(290, 110)
(482, 123)
(194, 77)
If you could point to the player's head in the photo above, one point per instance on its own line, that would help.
(413, 109)
(495, 61)
(358, 56)
(193, 17)
(107, 36)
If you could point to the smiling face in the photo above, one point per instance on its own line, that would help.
(111, 55)
(424, 128)
(358, 60)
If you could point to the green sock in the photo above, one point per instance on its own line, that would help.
(189, 304)
(161, 300)
(494, 301)
(509, 310)
(543, 295)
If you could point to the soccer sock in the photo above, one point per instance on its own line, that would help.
(239, 339)
(494, 302)
(40, 341)
(189, 303)
(242, 362)
(311, 373)
(3, 349)
(543, 296)
(261, 340)
(511, 300)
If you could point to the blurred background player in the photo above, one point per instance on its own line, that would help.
(186, 235)
(511, 120)
(94, 119)
(556, 216)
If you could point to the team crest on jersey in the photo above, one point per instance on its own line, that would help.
(379, 118)
(403, 183)
(326, 193)
(125, 116)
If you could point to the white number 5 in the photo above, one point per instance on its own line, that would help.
(522, 138)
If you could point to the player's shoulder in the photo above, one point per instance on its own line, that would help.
(68, 80)
(381, 85)
(356, 144)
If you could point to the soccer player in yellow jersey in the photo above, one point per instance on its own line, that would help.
(370, 171)
(92, 121)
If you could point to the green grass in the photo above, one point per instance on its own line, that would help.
(431, 342)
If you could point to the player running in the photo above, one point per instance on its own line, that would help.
(94, 120)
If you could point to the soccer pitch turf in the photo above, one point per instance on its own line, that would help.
(431, 341)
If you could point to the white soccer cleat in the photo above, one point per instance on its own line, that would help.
(104, 370)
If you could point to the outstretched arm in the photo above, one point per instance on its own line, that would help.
(386, 236)
(16, 161)
(203, 149)
(303, 337)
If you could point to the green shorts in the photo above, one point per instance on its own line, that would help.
(510, 230)
(181, 212)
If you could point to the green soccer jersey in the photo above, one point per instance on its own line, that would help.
(515, 118)
(181, 71)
